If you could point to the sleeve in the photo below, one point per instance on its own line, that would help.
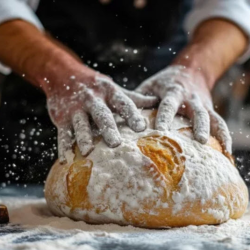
(236, 11)
(18, 9)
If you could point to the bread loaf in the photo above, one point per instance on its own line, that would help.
(153, 180)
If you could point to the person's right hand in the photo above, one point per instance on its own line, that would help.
(89, 93)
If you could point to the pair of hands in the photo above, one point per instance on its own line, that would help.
(180, 90)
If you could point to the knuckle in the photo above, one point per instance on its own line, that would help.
(202, 113)
(77, 117)
(196, 102)
(82, 142)
(88, 95)
(166, 104)
(107, 84)
(174, 86)
(169, 103)
(117, 95)
(122, 99)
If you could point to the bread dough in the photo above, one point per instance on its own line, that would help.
(153, 179)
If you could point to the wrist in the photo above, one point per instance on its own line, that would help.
(54, 69)
(65, 75)
(216, 44)
(196, 60)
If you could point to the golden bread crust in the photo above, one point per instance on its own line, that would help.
(166, 171)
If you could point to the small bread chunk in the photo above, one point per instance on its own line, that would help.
(4, 215)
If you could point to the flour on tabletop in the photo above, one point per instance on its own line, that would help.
(34, 215)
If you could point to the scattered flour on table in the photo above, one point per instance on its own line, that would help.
(63, 233)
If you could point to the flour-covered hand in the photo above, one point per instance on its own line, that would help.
(185, 91)
(89, 94)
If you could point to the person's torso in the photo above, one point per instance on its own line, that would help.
(116, 38)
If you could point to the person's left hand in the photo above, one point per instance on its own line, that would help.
(185, 91)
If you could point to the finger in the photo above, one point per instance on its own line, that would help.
(64, 143)
(220, 130)
(146, 86)
(83, 132)
(123, 105)
(154, 83)
(104, 119)
(168, 108)
(127, 110)
(141, 101)
(200, 118)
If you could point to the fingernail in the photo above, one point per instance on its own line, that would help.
(112, 137)
(201, 137)
(138, 124)
(62, 160)
(86, 149)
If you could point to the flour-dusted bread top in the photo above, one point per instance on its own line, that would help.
(153, 179)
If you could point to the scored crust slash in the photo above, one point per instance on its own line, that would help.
(4, 215)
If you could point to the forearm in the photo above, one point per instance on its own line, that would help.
(31, 53)
(215, 46)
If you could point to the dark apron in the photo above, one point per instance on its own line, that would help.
(116, 39)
